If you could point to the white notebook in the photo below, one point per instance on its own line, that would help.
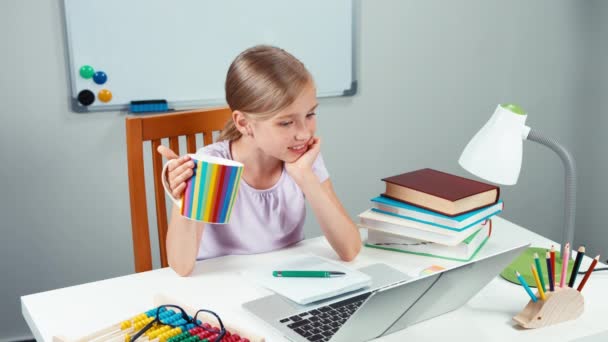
(307, 290)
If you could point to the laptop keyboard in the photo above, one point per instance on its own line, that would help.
(322, 323)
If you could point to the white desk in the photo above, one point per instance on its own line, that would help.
(217, 285)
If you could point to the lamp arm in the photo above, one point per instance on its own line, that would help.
(570, 201)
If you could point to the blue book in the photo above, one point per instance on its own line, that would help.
(461, 222)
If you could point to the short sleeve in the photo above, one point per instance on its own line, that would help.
(319, 169)
(219, 149)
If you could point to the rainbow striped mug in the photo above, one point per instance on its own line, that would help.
(211, 191)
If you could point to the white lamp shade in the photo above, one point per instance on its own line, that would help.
(495, 152)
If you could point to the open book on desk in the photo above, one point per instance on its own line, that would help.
(307, 290)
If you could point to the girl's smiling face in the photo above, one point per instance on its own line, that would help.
(287, 134)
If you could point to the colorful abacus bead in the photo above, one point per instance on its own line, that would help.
(125, 325)
(159, 331)
(174, 332)
(179, 337)
(168, 334)
(195, 331)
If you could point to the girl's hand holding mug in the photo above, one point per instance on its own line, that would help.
(204, 187)
(179, 170)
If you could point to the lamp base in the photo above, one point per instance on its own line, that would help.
(525, 259)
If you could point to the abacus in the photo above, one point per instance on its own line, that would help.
(123, 331)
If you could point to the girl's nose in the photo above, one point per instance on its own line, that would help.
(302, 133)
(302, 136)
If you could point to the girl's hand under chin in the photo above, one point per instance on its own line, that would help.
(303, 165)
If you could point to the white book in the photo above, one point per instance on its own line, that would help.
(394, 225)
(463, 251)
(307, 290)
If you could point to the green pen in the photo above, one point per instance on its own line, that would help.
(307, 274)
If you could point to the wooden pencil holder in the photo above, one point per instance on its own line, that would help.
(563, 304)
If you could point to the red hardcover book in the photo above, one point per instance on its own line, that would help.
(441, 192)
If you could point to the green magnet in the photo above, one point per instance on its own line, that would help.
(86, 71)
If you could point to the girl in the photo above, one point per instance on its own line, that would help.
(273, 100)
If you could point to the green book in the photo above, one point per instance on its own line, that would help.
(464, 251)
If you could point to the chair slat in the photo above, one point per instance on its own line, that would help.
(191, 143)
(161, 206)
(174, 144)
(207, 137)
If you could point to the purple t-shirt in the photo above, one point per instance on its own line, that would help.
(261, 220)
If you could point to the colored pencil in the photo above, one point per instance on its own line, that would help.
(552, 253)
(541, 291)
(540, 270)
(562, 280)
(577, 264)
(550, 273)
(588, 274)
(526, 287)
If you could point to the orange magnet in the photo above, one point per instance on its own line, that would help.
(104, 95)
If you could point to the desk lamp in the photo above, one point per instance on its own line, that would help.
(495, 154)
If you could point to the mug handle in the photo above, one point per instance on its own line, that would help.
(164, 174)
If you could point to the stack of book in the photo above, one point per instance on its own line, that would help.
(433, 213)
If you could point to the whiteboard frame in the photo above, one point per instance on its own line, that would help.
(76, 107)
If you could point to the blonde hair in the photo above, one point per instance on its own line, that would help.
(261, 81)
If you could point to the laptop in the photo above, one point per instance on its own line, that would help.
(393, 302)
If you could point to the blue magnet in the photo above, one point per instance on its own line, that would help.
(100, 77)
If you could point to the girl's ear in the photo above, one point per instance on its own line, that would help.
(241, 122)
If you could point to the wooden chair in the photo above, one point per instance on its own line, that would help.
(154, 128)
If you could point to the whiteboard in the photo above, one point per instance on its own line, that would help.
(180, 50)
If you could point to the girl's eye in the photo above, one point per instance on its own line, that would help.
(285, 123)
(310, 115)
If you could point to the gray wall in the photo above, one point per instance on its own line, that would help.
(430, 72)
(592, 158)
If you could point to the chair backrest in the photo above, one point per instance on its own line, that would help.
(154, 128)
